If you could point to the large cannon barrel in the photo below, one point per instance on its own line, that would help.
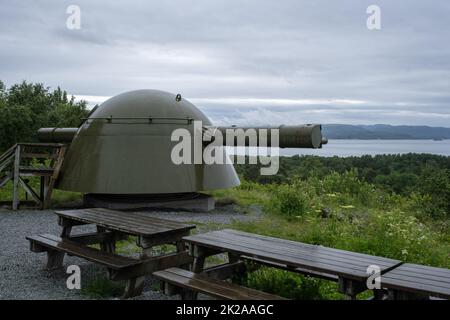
(289, 136)
(56, 135)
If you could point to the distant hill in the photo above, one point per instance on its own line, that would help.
(383, 131)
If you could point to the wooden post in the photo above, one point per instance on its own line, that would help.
(350, 288)
(181, 247)
(134, 286)
(42, 189)
(66, 230)
(379, 294)
(232, 258)
(198, 264)
(51, 182)
(54, 259)
(107, 245)
(15, 203)
(169, 289)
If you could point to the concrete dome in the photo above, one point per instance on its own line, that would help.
(125, 148)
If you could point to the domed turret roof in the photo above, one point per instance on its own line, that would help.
(125, 147)
(148, 103)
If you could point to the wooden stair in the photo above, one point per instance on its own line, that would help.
(15, 166)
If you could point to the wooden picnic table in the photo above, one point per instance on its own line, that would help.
(413, 281)
(349, 268)
(112, 226)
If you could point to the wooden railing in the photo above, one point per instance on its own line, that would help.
(16, 166)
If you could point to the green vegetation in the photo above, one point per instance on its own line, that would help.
(423, 176)
(60, 198)
(291, 285)
(26, 107)
(100, 287)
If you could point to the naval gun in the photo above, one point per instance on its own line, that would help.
(290, 136)
(123, 148)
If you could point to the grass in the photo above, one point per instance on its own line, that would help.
(292, 286)
(245, 195)
(60, 198)
(101, 287)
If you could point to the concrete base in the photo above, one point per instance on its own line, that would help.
(179, 201)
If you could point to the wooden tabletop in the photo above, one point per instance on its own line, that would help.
(129, 222)
(293, 254)
(418, 279)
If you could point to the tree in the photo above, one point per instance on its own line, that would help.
(435, 182)
(26, 107)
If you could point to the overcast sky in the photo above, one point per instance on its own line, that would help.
(254, 62)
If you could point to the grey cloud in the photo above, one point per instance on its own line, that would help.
(310, 49)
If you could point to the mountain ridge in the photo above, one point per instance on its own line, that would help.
(384, 131)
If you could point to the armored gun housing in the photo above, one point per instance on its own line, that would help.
(123, 149)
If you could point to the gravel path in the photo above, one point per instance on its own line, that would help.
(22, 274)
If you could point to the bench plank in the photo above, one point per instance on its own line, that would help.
(294, 244)
(212, 287)
(418, 279)
(318, 254)
(293, 254)
(111, 260)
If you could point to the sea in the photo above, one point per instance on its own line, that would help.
(348, 148)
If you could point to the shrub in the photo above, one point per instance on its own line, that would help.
(286, 284)
(288, 200)
(435, 183)
(100, 288)
(402, 236)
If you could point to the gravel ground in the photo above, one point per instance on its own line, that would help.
(22, 274)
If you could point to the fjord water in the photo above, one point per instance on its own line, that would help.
(353, 147)
(347, 148)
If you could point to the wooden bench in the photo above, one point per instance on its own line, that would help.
(176, 278)
(412, 281)
(56, 247)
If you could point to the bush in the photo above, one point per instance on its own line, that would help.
(288, 200)
(285, 284)
(26, 107)
(435, 183)
(100, 288)
(351, 186)
(402, 236)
